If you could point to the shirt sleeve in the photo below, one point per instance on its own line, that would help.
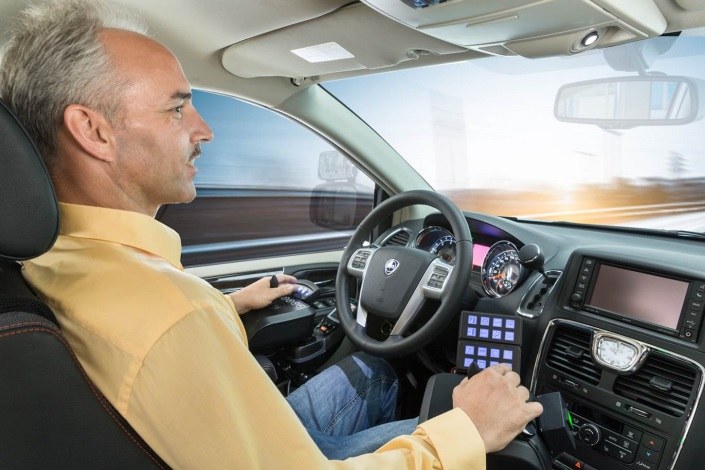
(200, 400)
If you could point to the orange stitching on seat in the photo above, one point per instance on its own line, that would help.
(95, 391)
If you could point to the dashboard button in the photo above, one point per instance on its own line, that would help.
(631, 433)
(690, 334)
(652, 442)
(623, 455)
(648, 454)
(589, 434)
(689, 324)
(620, 441)
(638, 412)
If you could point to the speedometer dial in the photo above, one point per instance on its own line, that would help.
(438, 241)
(501, 270)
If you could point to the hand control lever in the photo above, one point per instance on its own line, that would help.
(531, 257)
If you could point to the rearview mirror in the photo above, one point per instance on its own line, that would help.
(626, 102)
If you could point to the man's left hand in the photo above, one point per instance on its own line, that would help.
(259, 294)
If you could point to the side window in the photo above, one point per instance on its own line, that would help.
(262, 184)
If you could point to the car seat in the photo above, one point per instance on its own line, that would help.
(51, 415)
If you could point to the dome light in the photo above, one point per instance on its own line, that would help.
(590, 39)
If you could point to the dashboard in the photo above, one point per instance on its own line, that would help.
(614, 325)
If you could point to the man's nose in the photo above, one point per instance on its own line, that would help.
(202, 131)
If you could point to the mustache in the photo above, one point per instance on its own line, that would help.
(196, 152)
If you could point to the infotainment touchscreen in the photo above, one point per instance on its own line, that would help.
(638, 295)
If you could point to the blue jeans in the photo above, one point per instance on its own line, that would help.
(348, 409)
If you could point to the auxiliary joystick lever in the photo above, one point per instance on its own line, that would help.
(531, 257)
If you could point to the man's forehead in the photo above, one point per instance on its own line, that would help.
(131, 50)
(141, 59)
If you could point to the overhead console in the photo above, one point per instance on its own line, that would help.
(528, 28)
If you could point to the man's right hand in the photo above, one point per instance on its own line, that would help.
(496, 403)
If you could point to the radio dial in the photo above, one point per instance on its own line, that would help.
(577, 298)
(590, 434)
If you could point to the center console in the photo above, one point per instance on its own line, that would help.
(631, 396)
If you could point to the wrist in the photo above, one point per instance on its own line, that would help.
(239, 303)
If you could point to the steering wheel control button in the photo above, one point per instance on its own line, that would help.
(589, 434)
(438, 278)
(358, 261)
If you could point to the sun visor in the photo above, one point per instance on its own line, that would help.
(331, 44)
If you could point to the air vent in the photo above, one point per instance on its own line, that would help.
(570, 354)
(400, 238)
(662, 383)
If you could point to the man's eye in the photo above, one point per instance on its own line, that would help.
(179, 109)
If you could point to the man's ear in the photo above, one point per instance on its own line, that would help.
(91, 131)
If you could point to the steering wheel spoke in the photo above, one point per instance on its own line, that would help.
(435, 282)
(431, 286)
(358, 262)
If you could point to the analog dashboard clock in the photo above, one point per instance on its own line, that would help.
(617, 353)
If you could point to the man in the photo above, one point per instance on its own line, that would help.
(110, 110)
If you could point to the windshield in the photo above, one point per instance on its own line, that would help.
(494, 136)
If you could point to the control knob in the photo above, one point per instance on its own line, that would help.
(576, 298)
(589, 434)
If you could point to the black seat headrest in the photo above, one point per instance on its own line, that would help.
(29, 215)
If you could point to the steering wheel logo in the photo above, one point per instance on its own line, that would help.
(390, 266)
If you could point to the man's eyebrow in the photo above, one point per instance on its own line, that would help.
(181, 95)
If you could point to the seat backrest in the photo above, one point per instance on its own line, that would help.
(51, 415)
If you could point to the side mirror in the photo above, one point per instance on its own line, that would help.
(339, 203)
(339, 206)
(627, 102)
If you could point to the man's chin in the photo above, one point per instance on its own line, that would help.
(183, 198)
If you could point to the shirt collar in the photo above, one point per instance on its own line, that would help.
(124, 227)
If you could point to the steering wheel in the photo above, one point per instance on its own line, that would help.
(397, 280)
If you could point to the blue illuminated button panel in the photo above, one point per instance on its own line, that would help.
(484, 355)
(490, 327)
(486, 339)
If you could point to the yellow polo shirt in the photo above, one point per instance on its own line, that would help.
(170, 353)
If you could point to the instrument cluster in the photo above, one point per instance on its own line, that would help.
(500, 269)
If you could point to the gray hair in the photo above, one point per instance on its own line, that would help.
(56, 58)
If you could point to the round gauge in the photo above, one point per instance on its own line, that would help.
(501, 269)
(615, 353)
(438, 241)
